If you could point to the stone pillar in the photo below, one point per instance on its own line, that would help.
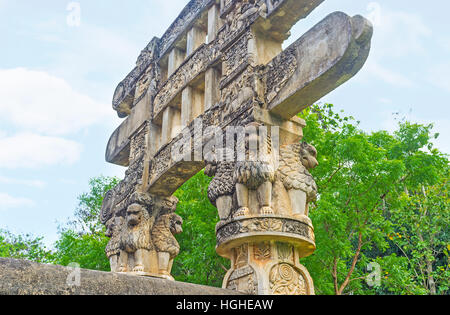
(154, 139)
(192, 105)
(195, 38)
(265, 253)
(267, 231)
(214, 22)
(171, 124)
(176, 58)
(212, 91)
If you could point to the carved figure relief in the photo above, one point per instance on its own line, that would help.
(257, 172)
(295, 161)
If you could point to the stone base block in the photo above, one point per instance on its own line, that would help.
(20, 277)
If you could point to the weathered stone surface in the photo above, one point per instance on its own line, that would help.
(118, 148)
(19, 277)
(324, 58)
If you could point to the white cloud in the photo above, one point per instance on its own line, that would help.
(386, 101)
(39, 102)
(445, 43)
(22, 182)
(8, 202)
(439, 76)
(397, 33)
(387, 75)
(28, 150)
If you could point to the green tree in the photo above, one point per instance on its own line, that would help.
(83, 239)
(422, 235)
(360, 177)
(23, 247)
(198, 261)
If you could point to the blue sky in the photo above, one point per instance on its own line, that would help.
(57, 80)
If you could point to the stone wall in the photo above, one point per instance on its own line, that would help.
(20, 277)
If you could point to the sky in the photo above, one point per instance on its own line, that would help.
(60, 62)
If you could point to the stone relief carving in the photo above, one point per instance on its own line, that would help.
(257, 172)
(262, 251)
(285, 280)
(295, 161)
(166, 226)
(285, 252)
(190, 69)
(279, 71)
(189, 14)
(124, 95)
(241, 256)
(243, 280)
(231, 230)
(221, 189)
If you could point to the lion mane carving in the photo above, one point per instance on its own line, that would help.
(166, 226)
(114, 227)
(295, 161)
(257, 172)
(222, 187)
(135, 239)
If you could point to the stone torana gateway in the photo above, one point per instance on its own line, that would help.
(221, 65)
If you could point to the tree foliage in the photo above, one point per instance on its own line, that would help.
(361, 178)
(23, 247)
(198, 261)
(83, 239)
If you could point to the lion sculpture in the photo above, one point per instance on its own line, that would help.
(295, 161)
(256, 173)
(114, 227)
(135, 240)
(166, 226)
(222, 186)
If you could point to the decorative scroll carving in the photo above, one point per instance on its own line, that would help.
(285, 280)
(231, 230)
